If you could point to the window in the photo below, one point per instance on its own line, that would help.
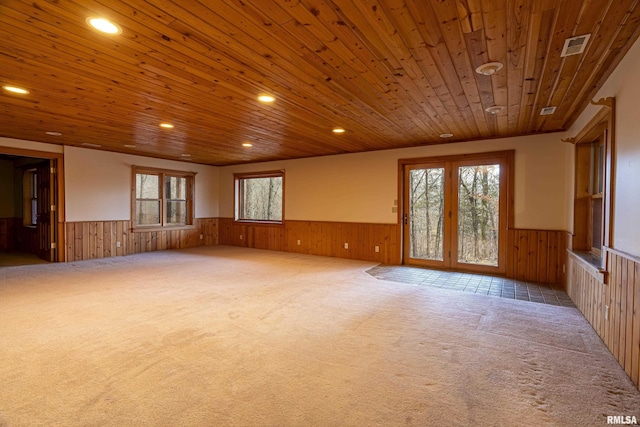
(259, 197)
(596, 169)
(593, 172)
(162, 198)
(30, 198)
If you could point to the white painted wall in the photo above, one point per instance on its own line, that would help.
(623, 84)
(98, 184)
(7, 186)
(363, 187)
(30, 145)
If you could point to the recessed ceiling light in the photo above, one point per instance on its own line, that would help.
(446, 135)
(54, 133)
(15, 89)
(104, 25)
(494, 109)
(185, 155)
(247, 144)
(166, 125)
(129, 145)
(338, 130)
(266, 98)
(88, 144)
(489, 68)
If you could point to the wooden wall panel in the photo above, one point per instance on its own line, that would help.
(15, 237)
(537, 255)
(619, 325)
(103, 239)
(533, 255)
(317, 238)
(8, 237)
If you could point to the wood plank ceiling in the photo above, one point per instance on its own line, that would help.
(392, 73)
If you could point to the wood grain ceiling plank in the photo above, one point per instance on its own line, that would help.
(614, 36)
(240, 73)
(518, 17)
(342, 84)
(470, 12)
(494, 17)
(146, 139)
(406, 44)
(459, 63)
(443, 64)
(341, 78)
(421, 34)
(589, 20)
(65, 74)
(93, 54)
(564, 21)
(477, 48)
(409, 102)
(542, 17)
(385, 84)
(302, 68)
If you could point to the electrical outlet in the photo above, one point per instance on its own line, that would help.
(346, 246)
(201, 236)
(606, 312)
(117, 244)
(298, 242)
(241, 237)
(377, 248)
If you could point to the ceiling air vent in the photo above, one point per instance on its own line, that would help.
(547, 111)
(575, 45)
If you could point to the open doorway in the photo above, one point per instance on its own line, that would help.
(29, 214)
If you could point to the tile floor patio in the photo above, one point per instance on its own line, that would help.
(476, 283)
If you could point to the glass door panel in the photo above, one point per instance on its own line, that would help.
(426, 214)
(478, 214)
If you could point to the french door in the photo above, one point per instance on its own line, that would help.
(455, 212)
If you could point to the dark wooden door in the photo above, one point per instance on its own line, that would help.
(46, 210)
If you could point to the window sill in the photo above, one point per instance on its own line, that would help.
(592, 263)
(142, 229)
(258, 222)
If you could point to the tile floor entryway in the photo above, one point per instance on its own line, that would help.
(475, 283)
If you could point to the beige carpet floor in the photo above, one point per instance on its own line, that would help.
(224, 336)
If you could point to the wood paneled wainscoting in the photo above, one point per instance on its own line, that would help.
(102, 239)
(538, 256)
(611, 304)
(8, 237)
(317, 238)
(16, 237)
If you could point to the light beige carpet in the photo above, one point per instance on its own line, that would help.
(229, 336)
